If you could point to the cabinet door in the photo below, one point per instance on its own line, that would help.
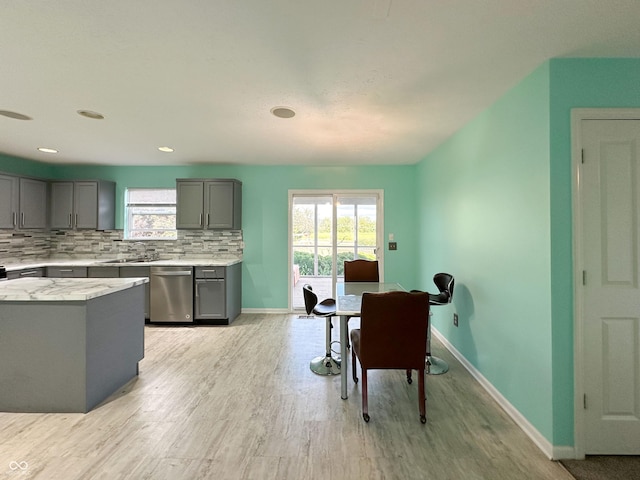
(8, 201)
(221, 205)
(103, 272)
(67, 272)
(86, 205)
(189, 203)
(33, 203)
(27, 273)
(61, 205)
(210, 299)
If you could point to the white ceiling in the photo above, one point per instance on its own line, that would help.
(371, 81)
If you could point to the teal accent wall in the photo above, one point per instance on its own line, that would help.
(265, 213)
(575, 83)
(27, 168)
(484, 206)
(496, 208)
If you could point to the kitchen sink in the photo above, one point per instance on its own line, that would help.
(125, 260)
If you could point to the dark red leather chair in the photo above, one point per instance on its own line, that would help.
(392, 335)
(361, 270)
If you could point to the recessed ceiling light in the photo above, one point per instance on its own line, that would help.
(90, 114)
(283, 112)
(47, 150)
(16, 115)
(165, 149)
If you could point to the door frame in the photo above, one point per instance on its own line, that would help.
(580, 369)
(379, 228)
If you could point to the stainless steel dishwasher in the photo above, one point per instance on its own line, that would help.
(171, 294)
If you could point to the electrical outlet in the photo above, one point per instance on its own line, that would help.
(393, 246)
(455, 319)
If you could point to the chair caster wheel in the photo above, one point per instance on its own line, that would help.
(355, 380)
(423, 419)
(409, 381)
(366, 417)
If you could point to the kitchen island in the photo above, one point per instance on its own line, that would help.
(67, 344)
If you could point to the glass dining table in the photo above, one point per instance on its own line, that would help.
(348, 302)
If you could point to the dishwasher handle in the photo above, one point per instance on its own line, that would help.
(180, 273)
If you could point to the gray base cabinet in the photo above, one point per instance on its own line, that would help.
(103, 272)
(136, 272)
(67, 272)
(124, 272)
(60, 356)
(26, 273)
(217, 295)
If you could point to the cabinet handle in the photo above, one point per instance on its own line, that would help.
(70, 224)
(200, 219)
(76, 219)
(22, 219)
(25, 274)
(15, 218)
(207, 219)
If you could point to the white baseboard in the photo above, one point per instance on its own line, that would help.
(552, 452)
(565, 453)
(278, 311)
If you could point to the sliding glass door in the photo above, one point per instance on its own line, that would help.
(327, 228)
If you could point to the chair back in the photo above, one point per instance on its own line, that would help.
(310, 298)
(393, 330)
(445, 283)
(361, 270)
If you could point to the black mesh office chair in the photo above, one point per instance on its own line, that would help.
(445, 283)
(325, 364)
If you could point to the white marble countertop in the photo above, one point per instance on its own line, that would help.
(92, 262)
(63, 289)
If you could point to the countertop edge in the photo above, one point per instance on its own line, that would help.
(64, 289)
(195, 262)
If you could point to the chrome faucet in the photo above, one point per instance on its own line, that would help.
(150, 256)
(144, 248)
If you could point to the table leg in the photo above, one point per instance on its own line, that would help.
(344, 367)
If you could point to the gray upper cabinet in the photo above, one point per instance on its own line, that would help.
(209, 203)
(33, 203)
(189, 204)
(23, 202)
(83, 204)
(9, 187)
(61, 204)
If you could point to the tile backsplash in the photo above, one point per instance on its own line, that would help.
(23, 246)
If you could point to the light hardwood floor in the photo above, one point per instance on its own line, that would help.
(239, 402)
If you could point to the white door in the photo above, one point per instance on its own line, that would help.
(610, 208)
